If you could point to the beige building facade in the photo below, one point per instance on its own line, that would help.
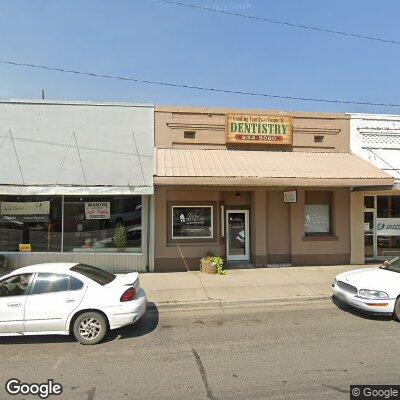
(257, 187)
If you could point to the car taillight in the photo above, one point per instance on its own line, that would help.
(128, 295)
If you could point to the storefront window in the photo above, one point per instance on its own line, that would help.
(192, 222)
(369, 202)
(388, 225)
(30, 223)
(317, 213)
(103, 224)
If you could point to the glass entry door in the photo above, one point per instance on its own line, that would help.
(369, 235)
(237, 235)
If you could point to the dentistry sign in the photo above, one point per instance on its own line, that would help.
(388, 226)
(259, 129)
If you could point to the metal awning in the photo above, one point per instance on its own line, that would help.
(265, 168)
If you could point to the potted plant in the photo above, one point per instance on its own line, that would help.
(120, 238)
(211, 264)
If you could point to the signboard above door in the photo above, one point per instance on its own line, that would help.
(259, 129)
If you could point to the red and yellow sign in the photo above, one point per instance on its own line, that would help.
(259, 129)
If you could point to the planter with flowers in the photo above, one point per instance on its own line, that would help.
(211, 264)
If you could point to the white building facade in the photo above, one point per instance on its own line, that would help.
(376, 213)
(76, 183)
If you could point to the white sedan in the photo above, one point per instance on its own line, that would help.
(375, 290)
(65, 298)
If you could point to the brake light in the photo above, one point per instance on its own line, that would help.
(128, 295)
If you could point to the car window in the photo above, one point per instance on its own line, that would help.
(75, 284)
(392, 265)
(15, 285)
(96, 274)
(50, 283)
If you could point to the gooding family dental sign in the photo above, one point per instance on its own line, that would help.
(259, 129)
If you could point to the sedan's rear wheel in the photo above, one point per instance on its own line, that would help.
(90, 328)
(396, 311)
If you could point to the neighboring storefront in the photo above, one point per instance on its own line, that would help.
(376, 211)
(256, 187)
(76, 183)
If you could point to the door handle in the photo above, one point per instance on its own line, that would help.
(70, 300)
(14, 304)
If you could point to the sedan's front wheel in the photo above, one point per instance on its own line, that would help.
(396, 310)
(90, 328)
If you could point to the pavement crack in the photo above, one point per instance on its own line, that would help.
(338, 389)
(203, 374)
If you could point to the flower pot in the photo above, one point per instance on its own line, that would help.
(121, 249)
(207, 267)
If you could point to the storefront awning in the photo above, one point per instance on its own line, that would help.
(265, 168)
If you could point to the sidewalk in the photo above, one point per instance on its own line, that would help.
(241, 285)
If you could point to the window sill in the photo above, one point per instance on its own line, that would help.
(320, 238)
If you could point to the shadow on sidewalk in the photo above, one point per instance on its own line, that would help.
(359, 313)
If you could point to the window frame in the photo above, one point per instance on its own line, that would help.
(330, 204)
(211, 207)
(64, 201)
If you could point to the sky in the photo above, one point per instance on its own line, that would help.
(151, 40)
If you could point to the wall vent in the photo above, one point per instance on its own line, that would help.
(189, 134)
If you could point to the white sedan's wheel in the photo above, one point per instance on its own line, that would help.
(396, 311)
(90, 328)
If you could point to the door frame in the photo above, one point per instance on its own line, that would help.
(246, 256)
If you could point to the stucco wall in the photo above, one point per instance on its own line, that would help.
(276, 228)
(209, 127)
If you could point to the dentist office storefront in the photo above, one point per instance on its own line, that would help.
(257, 188)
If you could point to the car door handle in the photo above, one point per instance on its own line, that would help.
(14, 304)
(70, 300)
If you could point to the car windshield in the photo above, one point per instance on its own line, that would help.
(392, 265)
(96, 274)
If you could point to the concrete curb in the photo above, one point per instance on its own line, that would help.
(212, 304)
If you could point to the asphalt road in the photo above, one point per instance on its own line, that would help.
(305, 351)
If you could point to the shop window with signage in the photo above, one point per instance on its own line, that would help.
(103, 224)
(318, 213)
(30, 223)
(192, 222)
(388, 225)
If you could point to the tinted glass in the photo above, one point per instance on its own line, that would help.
(15, 286)
(369, 202)
(103, 224)
(192, 222)
(96, 274)
(75, 284)
(30, 220)
(50, 283)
